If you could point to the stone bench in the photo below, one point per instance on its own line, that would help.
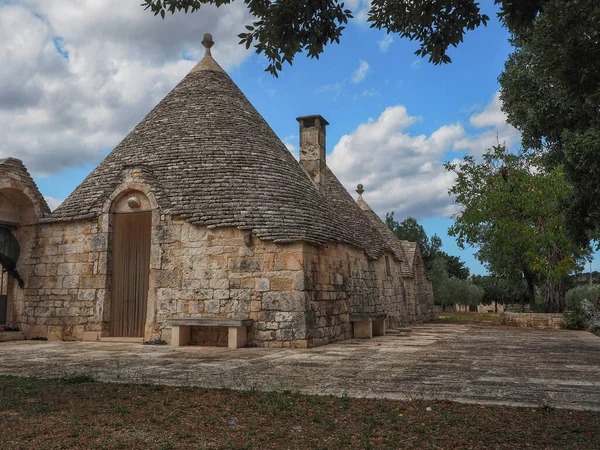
(181, 330)
(368, 325)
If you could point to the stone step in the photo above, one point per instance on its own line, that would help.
(123, 340)
(404, 330)
(6, 336)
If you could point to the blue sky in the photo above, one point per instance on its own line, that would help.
(87, 79)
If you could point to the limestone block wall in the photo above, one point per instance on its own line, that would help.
(227, 273)
(65, 282)
(411, 308)
(420, 294)
(297, 294)
(491, 308)
(25, 207)
(340, 281)
(533, 320)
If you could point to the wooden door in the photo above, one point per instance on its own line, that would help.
(130, 273)
(3, 295)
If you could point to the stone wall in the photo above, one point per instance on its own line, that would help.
(297, 294)
(491, 308)
(65, 282)
(194, 272)
(533, 320)
(227, 273)
(342, 281)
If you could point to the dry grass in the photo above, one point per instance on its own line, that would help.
(80, 413)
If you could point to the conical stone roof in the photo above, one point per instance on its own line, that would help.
(215, 162)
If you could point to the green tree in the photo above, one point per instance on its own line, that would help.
(551, 92)
(455, 266)
(410, 230)
(509, 208)
(501, 290)
(448, 290)
(283, 28)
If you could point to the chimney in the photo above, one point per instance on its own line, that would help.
(313, 148)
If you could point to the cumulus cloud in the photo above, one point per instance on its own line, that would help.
(385, 43)
(403, 172)
(291, 143)
(495, 129)
(360, 10)
(53, 203)
(77, 75)
(359, 74)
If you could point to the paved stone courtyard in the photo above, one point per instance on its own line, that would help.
(461, 362)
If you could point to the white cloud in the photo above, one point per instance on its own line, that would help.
(359, 74)
(415, 65)
(360, 10)
(403, 172)
(385, 43)
(495, 129)
(291, 143)
(336, 87)
(75, 78)
(53, 203)
(367, 93)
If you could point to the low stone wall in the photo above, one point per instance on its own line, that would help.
(533, 320)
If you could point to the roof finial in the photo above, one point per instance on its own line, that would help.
(360, 190)
(208, 43)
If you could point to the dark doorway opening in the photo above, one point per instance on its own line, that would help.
(3, 295)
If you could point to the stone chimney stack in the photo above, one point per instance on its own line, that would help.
(313, 148)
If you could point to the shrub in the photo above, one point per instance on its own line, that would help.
(584, 315)
(576, 295)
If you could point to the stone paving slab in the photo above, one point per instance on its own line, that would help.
(462, 362)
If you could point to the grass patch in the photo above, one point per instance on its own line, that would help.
(468, 317)
(79, 378)
(53, 414)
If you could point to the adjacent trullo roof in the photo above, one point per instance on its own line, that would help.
(11, 168)
(216, 162)
(387, 235)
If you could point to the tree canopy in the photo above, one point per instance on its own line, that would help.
(448, 290)
(410, 230)
(509, 208)
(454, 266)
(501, 290)
(284, 28)
(551, 93)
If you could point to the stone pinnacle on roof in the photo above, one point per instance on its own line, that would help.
(208, 43)
(208, 63)
(360, 190)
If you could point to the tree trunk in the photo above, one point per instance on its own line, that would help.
(554, 295)
(530, 280)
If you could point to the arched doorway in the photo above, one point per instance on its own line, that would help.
(131, 241)
(9, 253)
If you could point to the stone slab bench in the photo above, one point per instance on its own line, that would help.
(181, 330)
(368, 325)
